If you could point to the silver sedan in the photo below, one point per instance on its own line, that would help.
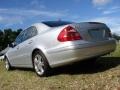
(51, 44)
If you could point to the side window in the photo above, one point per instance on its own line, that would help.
(30, 32)
(26, 34)
(33, 31)
(19, 38)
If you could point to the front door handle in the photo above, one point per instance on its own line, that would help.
(17, 47)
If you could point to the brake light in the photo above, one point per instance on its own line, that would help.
(69, 34)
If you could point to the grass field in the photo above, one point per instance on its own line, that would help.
(103, 75)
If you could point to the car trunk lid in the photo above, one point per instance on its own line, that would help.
(93, 31)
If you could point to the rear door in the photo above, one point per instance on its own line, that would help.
(27, 46)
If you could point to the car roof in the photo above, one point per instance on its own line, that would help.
(41, 27)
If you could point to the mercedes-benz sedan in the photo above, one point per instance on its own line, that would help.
(51, 44)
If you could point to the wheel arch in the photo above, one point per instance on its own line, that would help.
(6, 56)
(38, 49)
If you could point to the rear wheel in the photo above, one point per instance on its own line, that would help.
(7, 64)
(40, 64)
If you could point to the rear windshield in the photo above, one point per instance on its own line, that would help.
(56, 23)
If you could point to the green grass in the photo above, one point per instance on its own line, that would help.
(103, 75)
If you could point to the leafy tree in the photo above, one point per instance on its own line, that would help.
(7, 36)
(1, 39)
(117, 37)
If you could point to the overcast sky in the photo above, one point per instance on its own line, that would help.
(22, 13)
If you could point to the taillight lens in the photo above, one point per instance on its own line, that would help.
(69, 34)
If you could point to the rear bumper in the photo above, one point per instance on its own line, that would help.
(73, 53)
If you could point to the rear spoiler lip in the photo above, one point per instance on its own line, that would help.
(92, 23)
(95, 22)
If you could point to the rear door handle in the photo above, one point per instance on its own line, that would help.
(30, 42)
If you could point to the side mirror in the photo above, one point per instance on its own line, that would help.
(12, 45)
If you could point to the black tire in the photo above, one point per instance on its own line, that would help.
(7, 64)
(40, 64)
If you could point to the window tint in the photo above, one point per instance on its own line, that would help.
(19, 38)
(30, 32)
(26, 34)
(56, 23)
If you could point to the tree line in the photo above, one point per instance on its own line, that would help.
(8, 36)
(117, 37)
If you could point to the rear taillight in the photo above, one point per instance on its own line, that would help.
(69, 34)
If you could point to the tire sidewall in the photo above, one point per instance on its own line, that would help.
(46, 65)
